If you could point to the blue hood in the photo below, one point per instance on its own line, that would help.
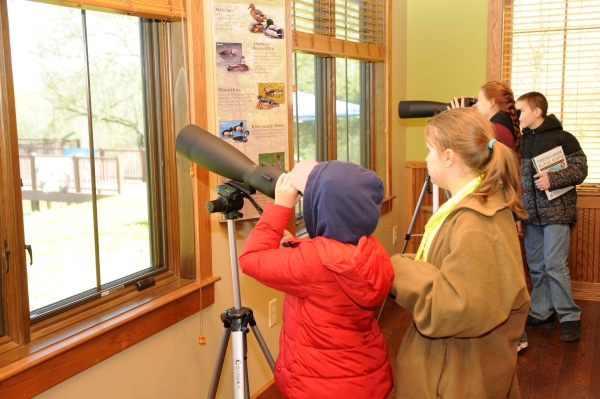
(342, 201)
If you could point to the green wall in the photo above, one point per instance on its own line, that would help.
(446, 57)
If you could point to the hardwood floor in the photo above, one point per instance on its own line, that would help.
(547, 369)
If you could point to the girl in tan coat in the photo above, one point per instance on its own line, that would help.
(465, 286)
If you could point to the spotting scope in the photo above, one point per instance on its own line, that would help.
(426, 109)
(212, 153)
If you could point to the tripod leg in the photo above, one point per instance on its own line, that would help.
(239, 364)
(381, 310)
(246, 379)
(214, 382)
(416, 212)
(263, 346)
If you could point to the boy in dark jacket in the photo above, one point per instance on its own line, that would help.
(547, 229)
(330, 344)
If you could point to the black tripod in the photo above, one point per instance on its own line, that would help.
(409, 234)
(235, 320)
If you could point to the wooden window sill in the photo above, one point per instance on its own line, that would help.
(386, 206)
(30, 369)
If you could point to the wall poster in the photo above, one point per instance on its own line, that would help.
(250, 75)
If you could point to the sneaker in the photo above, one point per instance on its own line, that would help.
(522, 342)
(547, 324)
(570, 331)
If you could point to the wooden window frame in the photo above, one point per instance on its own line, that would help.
(326, 45)
(32, 363)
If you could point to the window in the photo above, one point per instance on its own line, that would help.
(92, 192)
(338, 69)
(553, 47)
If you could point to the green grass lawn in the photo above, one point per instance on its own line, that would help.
(62, 239)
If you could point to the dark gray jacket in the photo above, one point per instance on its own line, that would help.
(561, 210)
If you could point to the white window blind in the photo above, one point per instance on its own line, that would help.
(347, 28)
(553, 47)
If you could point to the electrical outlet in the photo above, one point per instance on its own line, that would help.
(272, 312)
(395, 235)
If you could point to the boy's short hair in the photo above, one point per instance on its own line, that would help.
(535, 100)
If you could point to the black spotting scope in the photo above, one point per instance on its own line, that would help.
(214, 154)
(425, 109)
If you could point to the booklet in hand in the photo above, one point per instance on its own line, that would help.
(552, 161)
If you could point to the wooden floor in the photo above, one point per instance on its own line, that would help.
(547, 369)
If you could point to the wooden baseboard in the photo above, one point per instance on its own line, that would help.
(581, 290)
(269, 391)
(586, 291)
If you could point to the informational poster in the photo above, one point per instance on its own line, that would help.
(250, 75)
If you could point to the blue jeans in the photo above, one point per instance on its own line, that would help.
(546, 249)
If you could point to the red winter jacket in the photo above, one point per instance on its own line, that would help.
(330, 344)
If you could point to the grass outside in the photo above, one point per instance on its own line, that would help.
(62, 240)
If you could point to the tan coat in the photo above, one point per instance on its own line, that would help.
(469, 305)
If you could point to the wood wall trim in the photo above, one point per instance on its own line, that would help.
(494, 40)
(586, 291)
(268, 391)
(198, 105)
(42, 369)
(588, 200)
(386, 205)
(416, 165)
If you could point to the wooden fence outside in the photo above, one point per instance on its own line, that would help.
(46, 146)
(132, 162)
(70, 177)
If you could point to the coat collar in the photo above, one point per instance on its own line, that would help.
(494, 204)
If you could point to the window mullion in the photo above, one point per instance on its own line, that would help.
(88, 92)
(365, 115)
(325, 108)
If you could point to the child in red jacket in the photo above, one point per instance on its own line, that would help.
(330, 344)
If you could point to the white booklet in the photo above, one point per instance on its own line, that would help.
(552, 161)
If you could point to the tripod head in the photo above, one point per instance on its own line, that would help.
(231, 200)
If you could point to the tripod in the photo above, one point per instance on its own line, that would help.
(409, 234)
(235, 320)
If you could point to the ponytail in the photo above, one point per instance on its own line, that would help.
(502, 170)
(502, 94)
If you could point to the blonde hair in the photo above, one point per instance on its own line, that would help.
(468, 133)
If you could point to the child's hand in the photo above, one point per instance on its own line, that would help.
(542, 182)
(519, 225)
(286, 236)
(285, 194)
(456, 103)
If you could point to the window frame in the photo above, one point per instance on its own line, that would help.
(33, 359)
(324, 45)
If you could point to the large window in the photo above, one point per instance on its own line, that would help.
(338, 72)
(93, 194)
(553, 46)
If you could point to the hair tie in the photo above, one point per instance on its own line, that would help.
(491, 143)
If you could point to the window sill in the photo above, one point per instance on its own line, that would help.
(386, 206)
(30, 369)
